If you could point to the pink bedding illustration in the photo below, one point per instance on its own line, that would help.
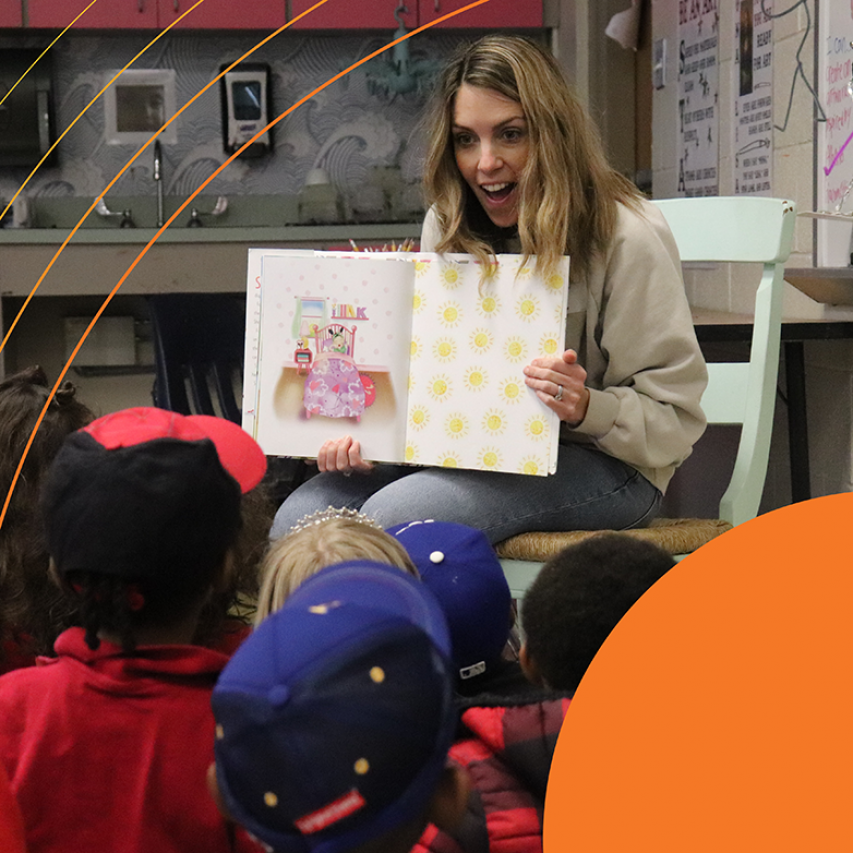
(334, 388)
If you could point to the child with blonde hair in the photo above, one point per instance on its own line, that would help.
(322, 539)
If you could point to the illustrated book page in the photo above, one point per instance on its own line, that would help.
(412, 354)
(327, 351)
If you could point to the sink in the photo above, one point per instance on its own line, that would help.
(237, 212)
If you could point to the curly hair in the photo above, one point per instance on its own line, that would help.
(32, 607)
(567, 192)
(579, 596)
(233, 601)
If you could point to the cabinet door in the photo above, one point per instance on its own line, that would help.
(223, 14)
(105, 14)
(492, 15)
(10, 13)
(353, 14)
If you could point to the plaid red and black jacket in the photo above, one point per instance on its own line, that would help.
(507, 750)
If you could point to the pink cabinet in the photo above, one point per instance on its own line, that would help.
(265, 15)
(379, 14)
(10, 13)
(349, 15)
(105, 14)
(496, 14)
(157, 14)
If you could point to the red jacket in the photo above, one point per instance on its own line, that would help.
(109, 752)
(507, 751)
(11, 825)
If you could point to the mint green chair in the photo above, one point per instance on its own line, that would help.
(744, 229)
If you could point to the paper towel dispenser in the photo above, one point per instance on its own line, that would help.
(26, 114)
(245, 108)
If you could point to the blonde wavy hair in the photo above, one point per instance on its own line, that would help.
(567, 191)
(324, 540)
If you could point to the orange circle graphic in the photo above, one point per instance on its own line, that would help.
(717, 715)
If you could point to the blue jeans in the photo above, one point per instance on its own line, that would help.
(590, 491)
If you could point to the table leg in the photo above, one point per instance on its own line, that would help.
(798, 433)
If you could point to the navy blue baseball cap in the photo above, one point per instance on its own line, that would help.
(459, 566)
(334, 718)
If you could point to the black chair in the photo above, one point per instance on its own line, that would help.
(198, 349)
(198, 355)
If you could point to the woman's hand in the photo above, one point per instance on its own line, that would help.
(342, 455)
(559, 382)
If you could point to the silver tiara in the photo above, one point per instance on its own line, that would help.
(330, 514)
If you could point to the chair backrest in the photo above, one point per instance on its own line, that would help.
(741, 229)
(198, 345)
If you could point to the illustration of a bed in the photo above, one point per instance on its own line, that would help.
(334, 387)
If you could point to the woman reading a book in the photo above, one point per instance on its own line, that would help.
(514, 165)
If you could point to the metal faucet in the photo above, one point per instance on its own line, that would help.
(158, 179)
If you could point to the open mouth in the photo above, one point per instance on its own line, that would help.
(497, 193)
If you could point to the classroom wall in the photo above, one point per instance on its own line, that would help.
(829, 365)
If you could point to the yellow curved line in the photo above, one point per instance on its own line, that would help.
(190, 198)
(130, 162)
(83, 111)
(124, 277)
(38, 58)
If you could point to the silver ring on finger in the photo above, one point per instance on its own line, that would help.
(559, 395)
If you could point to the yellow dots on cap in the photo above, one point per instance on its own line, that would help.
(436, 557)
(220, 732)
(319, 609)
(377, 674)
(271, 799)
(361, 766)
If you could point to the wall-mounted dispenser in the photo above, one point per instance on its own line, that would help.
(26, 115)
(245, 108)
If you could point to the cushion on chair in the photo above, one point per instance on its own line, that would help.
(675, 535)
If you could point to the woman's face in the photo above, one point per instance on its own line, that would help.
(491, 143)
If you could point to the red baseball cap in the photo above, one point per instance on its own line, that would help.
(240, 455)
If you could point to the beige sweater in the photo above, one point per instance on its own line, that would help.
(630, 324)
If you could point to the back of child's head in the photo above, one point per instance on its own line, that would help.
(29, 602)
(577, 599)
(229, 611)
(335, 716)
(141, 508)
(461, 569)
(322, 539)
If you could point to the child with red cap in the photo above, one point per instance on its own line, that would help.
(107, 745)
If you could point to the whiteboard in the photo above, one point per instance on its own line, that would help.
(835, 135)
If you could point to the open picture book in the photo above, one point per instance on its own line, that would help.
(412, 354)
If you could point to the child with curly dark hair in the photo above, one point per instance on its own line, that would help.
(33, 611)
(578, 598)
(142, 512)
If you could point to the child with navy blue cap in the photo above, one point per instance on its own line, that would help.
(334, 719)
(459, 566)
(508, 727)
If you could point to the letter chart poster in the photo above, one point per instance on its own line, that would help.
(834, 153)
(698, 94)
(753, 101)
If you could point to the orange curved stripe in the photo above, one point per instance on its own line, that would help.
(191, 197)
(83, 111)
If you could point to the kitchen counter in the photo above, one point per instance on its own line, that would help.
(257, 235)
(183, 260)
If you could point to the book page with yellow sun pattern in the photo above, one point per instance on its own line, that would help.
(468, 406)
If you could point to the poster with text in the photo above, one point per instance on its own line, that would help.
(753, 101)
(698, 98)
(834, 155)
